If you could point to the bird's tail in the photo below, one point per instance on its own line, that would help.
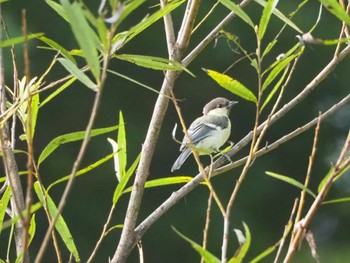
(181, 159)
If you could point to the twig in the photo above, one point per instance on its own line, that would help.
(342, 162)
(11, 168)
(207, 223)
(127, 239)
(187, 188)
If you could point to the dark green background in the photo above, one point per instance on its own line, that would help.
(263, 203)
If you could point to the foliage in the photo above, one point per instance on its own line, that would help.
(104, 45)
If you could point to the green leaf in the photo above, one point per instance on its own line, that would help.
(70, 137)
(265, 18)
(58, 48)
(58, 91)
(243, 249)
(281, 16)
(34, 112)
(122, 156)
(18, 40)
(338, 200)
(78, 73)
(82, 171)
(3, 204)
(269, 47)
(205, 254)
(281, 65)
(275, 89)
(156, 63)
(124, 180)
(163, 182)
(133, 80)
(336, 9)
(232, 85)
(124, 37)
(238, 11)
(32, 229)
(58, 8)
(330, 173)
(84, 35)
(291, 181)
(128, 8)
(60, 225)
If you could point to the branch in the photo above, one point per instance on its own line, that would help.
(187, 188)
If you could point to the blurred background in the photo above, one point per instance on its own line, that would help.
(263, 203)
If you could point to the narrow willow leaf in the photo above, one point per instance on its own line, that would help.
(84, 35)
(156, 63)
(330, 173)
(205, 254)
(338, 200)
(231, 84)
(281, 16)
(269, 47)
(275, 89)
(122, 184)
(129, 7)
(133, 81)
(336, 9)
(265, 18)
(124, 37)
(122, 155)
(291, 181)
(34, 112)
(18, 40)
(83, 170)
(70, 137)
(283, 63)
(61, 225)
(238, 11)
(335, 41)
(32, 229)
(163, 182)
(58, 48)
(58, 91)
(3, 204)
(78, 73)
(243, 249)
(58, 8)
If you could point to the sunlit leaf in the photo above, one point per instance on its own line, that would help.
(330, 173)
(70, 137)
(231, 84)
(122, 154)
(60, 225)
(124, 37)
(269, 47)
(243, 249)
(58, 48)
(336, 9)
(83, 170)
(18, 40)
(3, 204)
(335, 201)
(205, 254)
(58, 91)
(281, 16)
(128, 8)
(291, 181)
(78, 73)
(32, 229)
(124, 180)
(156, 63)
(84, 34)
(265, 18)
(34, 112)
(58, 8)
(275, 89)
(238, 11)
(163, 182)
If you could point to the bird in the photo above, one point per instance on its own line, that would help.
(208, 132)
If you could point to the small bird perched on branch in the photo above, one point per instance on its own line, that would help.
(208, 132)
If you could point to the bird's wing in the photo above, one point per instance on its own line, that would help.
(199, 130)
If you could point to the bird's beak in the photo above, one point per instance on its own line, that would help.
(232, 103)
